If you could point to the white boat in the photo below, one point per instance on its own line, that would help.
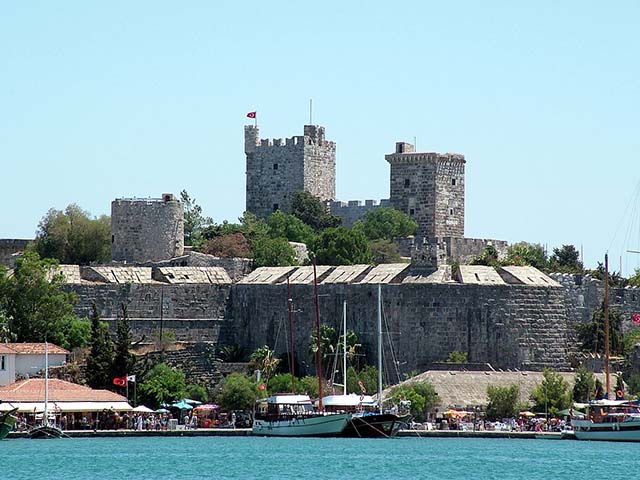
(292, 415)
(611, 420)
(47, 427)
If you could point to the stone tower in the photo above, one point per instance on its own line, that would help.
(146, 229)
(276, 169)
(429, 187)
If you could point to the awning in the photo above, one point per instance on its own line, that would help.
(55, 407)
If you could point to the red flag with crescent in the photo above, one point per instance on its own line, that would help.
(251, 114)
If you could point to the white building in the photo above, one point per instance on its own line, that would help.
(23, 360)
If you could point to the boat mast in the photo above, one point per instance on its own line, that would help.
(606, 325)
(380, 348)
(46, 384)
(344, 346)
(319, 343)
(291, 356)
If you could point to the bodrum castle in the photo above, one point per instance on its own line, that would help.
(504, 318)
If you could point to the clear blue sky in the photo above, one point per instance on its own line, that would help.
(100, 100)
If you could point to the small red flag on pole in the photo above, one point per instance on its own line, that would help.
(251, 114)
(120, 381)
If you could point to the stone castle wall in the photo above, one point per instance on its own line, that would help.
(278, 168)
(144, 230)
(354, 210)
(9, 247)
(507, 326)
(193, 312)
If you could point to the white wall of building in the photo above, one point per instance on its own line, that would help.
(8, 374)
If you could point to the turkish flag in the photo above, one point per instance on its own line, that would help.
(251, 114)
(636, 318)
(120, 381)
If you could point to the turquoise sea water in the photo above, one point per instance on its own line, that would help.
(275, 458)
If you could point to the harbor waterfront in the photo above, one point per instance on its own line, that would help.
(271, 458)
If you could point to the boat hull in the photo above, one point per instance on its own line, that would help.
(302, 426)
(45, 431)
(613, 432)
(7, 422)
(373, 425)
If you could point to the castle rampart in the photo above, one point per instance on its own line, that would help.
(9, 249)
(352, 211)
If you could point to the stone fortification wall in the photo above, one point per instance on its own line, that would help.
(463, 250)
(9, 247)
(278, 168)
(507, 326)
(235, 267)
(193, 312)
(353, 210)
(147, 230)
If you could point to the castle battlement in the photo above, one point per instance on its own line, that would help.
(353, 210)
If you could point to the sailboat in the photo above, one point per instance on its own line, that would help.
(612, 420)
(368, 419)
(293, 415)
(46, 429)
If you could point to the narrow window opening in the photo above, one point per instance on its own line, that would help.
(407, 182)
(451, 211)
(275, 207)
(411, 211)
(453, 181)
(275, 166)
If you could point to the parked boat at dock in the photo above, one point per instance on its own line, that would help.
(7, 422)
(612, 420)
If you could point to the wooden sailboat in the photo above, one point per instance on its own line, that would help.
(612, 420)
(292, 415)
(7, 422)
(46, 429)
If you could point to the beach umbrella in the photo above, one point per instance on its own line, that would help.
(162, 410)
(142, 409)
(206, 406)
(192, 402)
(527, 414)
(182, 405)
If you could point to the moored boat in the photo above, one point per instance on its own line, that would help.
(366, 421)
(7, 422)
(610, 420)
(291, 415)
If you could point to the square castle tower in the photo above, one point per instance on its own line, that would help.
(429, 187)
(276, 169)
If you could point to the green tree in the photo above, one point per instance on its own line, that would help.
(308, 385)
(281, 383)
(489, 257)
(100, 361)
(457, 357)
(72, 333)
(162, 384)
(384, 251)
(584, 385)
(553, 394)
(423, 397)
(502, 401)
(194, 222)
(524, 253)
(238, 392)
(386, 223)
(591, 335)
(367, 375)
(73, 237)
(123, 360)
(312, 211)
(273, 252)
(566, 260)
(6, 335)
(34, 304)
(634, 280)
(265, 360)
(197, 392)
(341, 246)
(289, 227)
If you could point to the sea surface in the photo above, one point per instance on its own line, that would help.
(294, 458)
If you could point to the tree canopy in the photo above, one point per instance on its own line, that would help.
(195, 222)
(423, 397)
(73, 237)
(524, 253)
(341, 246)
(553, 394)
(312, 211)
(162, 384)
(584, 385)
(502, 401)
(100, 361)
(273, 252)
(566, 260)
(238, 392)
(591, 335)
(386, 223)
(289, 227)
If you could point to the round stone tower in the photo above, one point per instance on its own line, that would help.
(146, 229)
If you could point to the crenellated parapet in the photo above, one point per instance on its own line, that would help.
(353, 210)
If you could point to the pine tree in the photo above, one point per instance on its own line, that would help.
(123, 361)
(100, 362)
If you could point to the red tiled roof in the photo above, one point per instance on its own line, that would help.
(36, 348)
(32, 390)
(4, 348)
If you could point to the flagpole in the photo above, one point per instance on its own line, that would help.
(311, 111)
(127, 381)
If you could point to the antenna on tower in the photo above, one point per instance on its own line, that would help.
(311, 111)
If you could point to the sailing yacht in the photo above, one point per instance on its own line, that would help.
(368, 420)
(46, 429)
(612, 420)
(292, 415)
